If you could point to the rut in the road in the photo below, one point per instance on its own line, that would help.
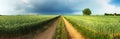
(49, 33)
(73, 33)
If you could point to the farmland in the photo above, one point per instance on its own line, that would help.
(60, 27)
(18, 25)
(97, 27)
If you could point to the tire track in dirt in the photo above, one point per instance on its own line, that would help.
(73, 33)
(49, 33)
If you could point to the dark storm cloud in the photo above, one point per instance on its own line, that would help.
(47, 6)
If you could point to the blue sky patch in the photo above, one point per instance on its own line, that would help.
(115, 2)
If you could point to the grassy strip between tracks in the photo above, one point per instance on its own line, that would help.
(61, 32)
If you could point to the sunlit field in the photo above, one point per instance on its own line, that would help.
(97, 27)
(90, 27)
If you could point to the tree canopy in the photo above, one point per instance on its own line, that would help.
(87, 11)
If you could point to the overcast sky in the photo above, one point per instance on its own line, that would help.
(13, 7)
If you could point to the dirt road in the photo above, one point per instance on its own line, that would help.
(49, 33)
(73, 33)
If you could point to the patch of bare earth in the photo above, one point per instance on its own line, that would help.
(73, 33)
(49, 33)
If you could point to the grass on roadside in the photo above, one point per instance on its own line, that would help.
(61, 32)
(89, 33)
(29, 24)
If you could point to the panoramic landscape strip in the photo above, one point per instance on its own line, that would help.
(59, 27)
(59, 19)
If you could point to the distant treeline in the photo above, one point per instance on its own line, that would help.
(115, 14)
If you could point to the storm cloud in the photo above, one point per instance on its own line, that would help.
(48, 6)
(14, 7)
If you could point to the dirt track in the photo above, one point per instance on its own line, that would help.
(49, 33)
(73, 33)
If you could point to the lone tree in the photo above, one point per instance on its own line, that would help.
(86, 11)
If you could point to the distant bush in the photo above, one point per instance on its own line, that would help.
(115, 14)
(107, 14)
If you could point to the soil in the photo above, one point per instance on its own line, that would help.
(49, 33)
(73, 33)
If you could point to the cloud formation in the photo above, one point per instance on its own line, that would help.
(48, 6)
(58, 6)
(99, 6)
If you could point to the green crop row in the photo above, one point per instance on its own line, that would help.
(21, 25)
(97, 27)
